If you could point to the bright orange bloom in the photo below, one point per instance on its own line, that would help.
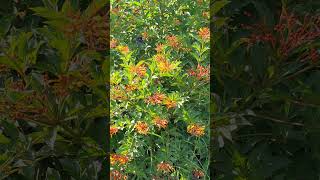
(200, 73)
(124, 49)
(117, 93)
(196, 130)
(131, 87)
(165, 167)
(159, 48)
(141, 70)
(142, 127)
(160, 123)
(115, 11)
(170, 103)
(205, 14)
(165, 66)
(160, 57)
(173, 41)
(197, 174)
(116, 175)
(145, 35)
(156, 98)
(113, 43)
(118, 159)
(200, 1)
(204, 33)
(113, 130)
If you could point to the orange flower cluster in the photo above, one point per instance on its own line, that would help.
(200, 73)
(197, 174)
(113, 43)
(123, 49)
(165, 66)
(145, 35)
(156, 98)
(113, 130)
(118, 159)
(141, 70)
(115, 11)
(170, 103)
(160, 123)
(118, 94)
(204, 33)
(196, 130)
(159, 48)
(142, 127)
(205, 14)
(165, 167)
(160, 57)
(173, 41)
(116, 175)
(131, 87)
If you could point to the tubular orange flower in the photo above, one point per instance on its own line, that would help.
(205, 14)
(200, 73)
(204, 33)
(197, 174)
(156, 98)
(173, 41)
(196, 130)
(116, 175)
(117, 94)
(165, 66)
(159, 48)
(118, 159)
(115, 11)
(113, 130)
(141, 70)
(113, 43)
(160, 58)
(123, 49)
(131, 87)
(170, 103)
(165, 167)
(160, 123)
(145, 35)
(142, 127)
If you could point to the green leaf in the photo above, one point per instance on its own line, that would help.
(216, 6)
(48, 13)
(94, 7)
(4, 139)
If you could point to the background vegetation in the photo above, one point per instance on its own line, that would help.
(52, 89)
(265, 90)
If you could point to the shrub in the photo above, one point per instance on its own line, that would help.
(160, 89)
(52, 97)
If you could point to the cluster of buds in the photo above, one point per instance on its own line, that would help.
(290, 33)
(201, 73)
(94, 29)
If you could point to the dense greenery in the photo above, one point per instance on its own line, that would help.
(160, 89)
(52, 96)
(266, 92)
(264, 83)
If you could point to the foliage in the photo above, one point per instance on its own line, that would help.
(52, 102)
(160, 89)
(266, 96)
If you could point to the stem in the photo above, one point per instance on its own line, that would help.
(276, 120)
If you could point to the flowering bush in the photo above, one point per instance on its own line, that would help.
(52, 90)
(160, 89)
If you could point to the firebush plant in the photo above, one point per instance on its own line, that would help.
(52, 89)
(160, 92)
